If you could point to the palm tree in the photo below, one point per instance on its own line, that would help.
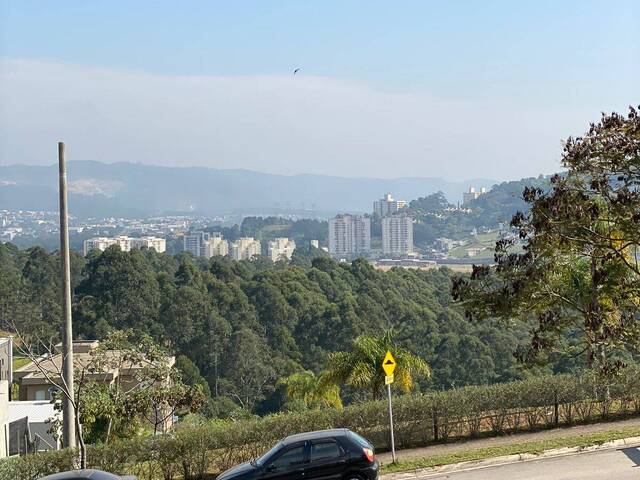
(314, 393)
(362, 366)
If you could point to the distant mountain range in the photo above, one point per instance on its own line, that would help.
(129, 189)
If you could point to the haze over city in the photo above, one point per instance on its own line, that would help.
(337, 240)
(382, 91)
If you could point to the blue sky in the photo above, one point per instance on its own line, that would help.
(513, 65)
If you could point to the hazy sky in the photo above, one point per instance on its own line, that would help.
(458, 89)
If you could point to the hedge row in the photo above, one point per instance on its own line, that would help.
(200, 450)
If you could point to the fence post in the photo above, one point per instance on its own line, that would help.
(556, 420)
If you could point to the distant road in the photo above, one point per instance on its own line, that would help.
(622, 463)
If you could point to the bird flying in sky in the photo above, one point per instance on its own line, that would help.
(296, 71)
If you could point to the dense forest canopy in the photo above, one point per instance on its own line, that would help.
(240, 327)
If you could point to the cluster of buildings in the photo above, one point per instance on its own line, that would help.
(125, 243)
(26, 422)
(205, 244)
(21, 222)
(350, 235)
(201, 244)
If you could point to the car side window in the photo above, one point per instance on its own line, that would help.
(293, 456)
(325, 450)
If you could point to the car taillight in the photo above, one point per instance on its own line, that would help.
(369, 454)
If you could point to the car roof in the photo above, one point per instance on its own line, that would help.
(82, 474)
(300, 437)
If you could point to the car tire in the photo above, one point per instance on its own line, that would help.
(353, 477)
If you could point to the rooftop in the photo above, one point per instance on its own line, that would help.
(38, 411)
(83, 355)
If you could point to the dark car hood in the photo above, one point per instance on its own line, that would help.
(237, 471)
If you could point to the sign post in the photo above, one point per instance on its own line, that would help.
(389, 365)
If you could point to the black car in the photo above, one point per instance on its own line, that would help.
(85, 475)
(338, 454)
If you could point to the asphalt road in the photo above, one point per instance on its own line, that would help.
(615, 464)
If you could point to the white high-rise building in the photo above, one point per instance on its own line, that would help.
(387, 206)
(244, 248)
(349, 235)
(397, 235)
(125, 243)
(216, 246)
(194, 243)
(280, 249)
(97, 243)
(157, 243)
(472, 194)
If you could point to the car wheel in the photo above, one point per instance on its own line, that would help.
(353, 477)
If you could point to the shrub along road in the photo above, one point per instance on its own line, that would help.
(410, 455)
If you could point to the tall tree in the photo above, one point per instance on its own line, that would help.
(120, 290)
(250, 374)
(578, 268)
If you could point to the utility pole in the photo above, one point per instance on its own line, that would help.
(68, 410)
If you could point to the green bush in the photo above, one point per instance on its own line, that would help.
(198, 448)
(35, 466)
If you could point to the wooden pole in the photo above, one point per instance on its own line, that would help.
(68, 411)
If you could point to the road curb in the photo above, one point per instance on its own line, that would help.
(519, 457)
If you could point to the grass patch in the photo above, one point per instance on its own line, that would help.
(20, 362)
(501, 450)
(483, 240)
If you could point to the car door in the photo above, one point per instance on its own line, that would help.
(287, 464)
(327, 460)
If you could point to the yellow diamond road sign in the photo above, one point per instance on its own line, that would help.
(388, 364)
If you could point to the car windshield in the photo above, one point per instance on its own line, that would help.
(263, 459)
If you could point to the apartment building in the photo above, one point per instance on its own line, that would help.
(4, 418)
(216, 246)
(24, 425)
(349, 235)
(387, 206)
(6, 377)
(125, 243)
(472, 194)
(35, 388)
(245, 248)
(194, 243)
(34, 385)
(6, 358)
(281, 249)
(397, 235)
(157, 243)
